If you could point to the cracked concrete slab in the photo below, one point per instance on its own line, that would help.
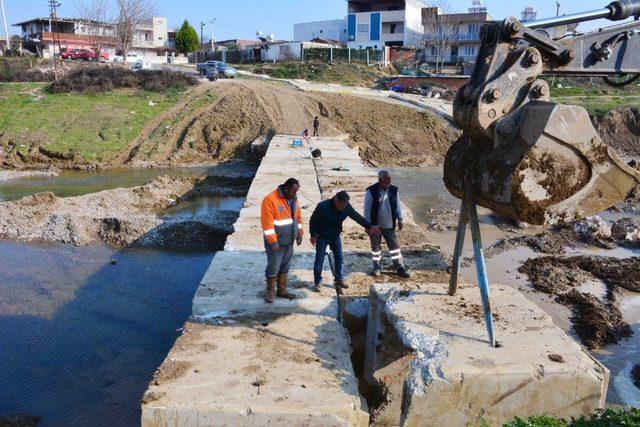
(285, 370)
(431, 354)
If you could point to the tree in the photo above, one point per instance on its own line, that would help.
(187, 39)
(440, 32)
(95, 17)
(131, 14)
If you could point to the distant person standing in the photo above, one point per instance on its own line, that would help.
(382, 208)
(316, 126)
(281, 219)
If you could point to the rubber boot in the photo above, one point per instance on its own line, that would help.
(270, 296)
(282, 287)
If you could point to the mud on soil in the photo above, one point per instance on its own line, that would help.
(597, 322)
(123, 217)
(620, 130)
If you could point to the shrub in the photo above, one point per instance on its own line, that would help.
(102, 79)
(608, 418)
(20, 70)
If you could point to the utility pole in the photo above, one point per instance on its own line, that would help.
(53, 4)
(202, 24)
(557, 8)
(212, 38)
(4, 22)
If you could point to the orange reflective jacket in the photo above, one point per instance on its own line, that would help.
(280, 223)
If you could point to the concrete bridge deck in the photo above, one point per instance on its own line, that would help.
(243, 362)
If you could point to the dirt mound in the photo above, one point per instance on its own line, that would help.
(244, 110)
(597, 322)
(620, 130)
(99, 79)
(123, 217)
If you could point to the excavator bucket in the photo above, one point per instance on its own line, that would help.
(545, 165)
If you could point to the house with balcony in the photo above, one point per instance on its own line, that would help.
(150, 39)
(453, 37)
(374, 24)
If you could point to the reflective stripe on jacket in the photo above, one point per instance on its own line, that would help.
(279, 223)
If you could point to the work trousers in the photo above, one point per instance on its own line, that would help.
(389, 235)
(321, 251)
(316, 132)
(278, 261)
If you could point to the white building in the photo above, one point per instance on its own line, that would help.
(375, 24)
(462, 31)
(334, 29)
(149, 39)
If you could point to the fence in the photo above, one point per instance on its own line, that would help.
(368, 56)
(289, 52)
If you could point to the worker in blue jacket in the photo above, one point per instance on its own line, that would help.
(325, 229)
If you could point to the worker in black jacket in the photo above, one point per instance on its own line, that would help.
(325, 229)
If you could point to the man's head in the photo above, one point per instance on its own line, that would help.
(290, 188)
(384, 179)
(341, 200)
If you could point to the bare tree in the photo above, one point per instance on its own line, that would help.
(96, 22)
(440, 32)
(131, 14)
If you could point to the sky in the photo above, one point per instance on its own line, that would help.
(242, 18)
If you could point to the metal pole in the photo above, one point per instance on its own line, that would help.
(331, 60)
(212, 38)
(349, 49)
(457, 253)
(481, 266)
(4, 22)
(569, 19)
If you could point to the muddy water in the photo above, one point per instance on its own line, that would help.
(82, 329)
(422, 190)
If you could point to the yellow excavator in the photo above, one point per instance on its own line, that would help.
(522, 155)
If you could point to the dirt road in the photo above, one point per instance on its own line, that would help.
(245, 109)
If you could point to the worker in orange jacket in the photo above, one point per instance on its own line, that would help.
(282, 227)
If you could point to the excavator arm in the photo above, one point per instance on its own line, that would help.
(524, 156)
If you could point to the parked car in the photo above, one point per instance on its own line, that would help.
(131, 57)
(71, 54)
(84, 54)
(224, 70)
(140, 65)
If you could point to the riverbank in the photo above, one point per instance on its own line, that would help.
(128, 216)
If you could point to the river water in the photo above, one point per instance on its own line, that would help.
(82, 329)
(422, 189)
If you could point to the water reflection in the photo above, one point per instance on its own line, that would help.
(78, 183)
(80, 336)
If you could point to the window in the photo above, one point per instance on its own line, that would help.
(469, 50)
(393, 28)
(433, 51)
(474, 28)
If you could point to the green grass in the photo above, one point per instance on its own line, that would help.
(91, 128)
(354, 74)
(608, 418)
(597, 97)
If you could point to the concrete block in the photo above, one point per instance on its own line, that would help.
(294, 371)
(431, 354)
(234, 286)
